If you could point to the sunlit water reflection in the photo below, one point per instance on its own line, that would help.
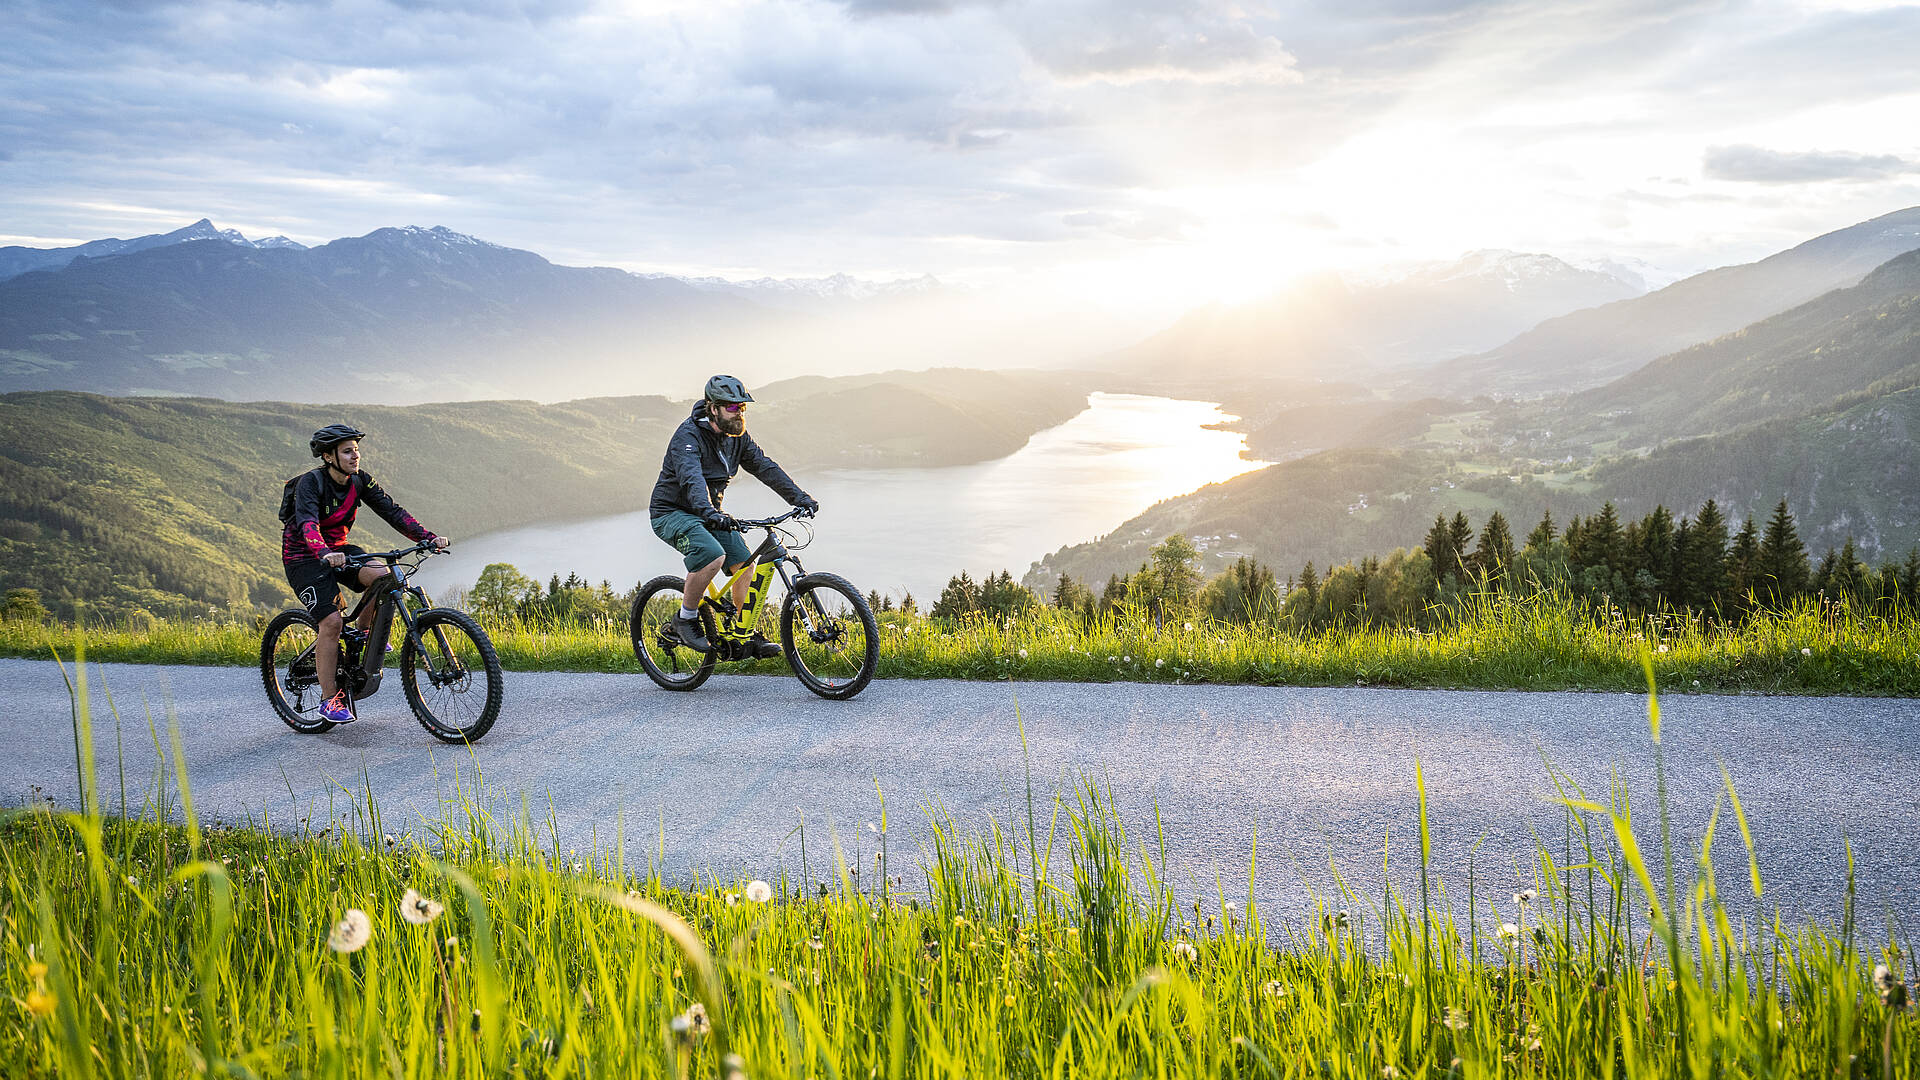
(900, 530)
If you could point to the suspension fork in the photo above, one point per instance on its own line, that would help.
(807, 611)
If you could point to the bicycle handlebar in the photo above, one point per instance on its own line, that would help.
(425, 547)
(743, 524)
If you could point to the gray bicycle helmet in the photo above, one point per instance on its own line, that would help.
(727, 390)
(331, 436)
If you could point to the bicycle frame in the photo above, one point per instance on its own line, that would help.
(373, 654)
(737, 624)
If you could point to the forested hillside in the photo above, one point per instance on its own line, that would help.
(1845, 342)
(1849, 472)
(168, 505)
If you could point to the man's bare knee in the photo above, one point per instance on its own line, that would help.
(331, 625)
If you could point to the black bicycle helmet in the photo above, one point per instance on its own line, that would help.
(331, 436)
(727, 390)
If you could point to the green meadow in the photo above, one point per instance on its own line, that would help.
(1543, 642)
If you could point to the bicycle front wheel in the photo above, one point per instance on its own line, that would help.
(829, 635)
(287, 669)
(650, 624)
(454, 685)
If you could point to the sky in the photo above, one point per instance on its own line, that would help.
(1142, 155)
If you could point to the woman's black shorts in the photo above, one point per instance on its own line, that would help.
(318, 585)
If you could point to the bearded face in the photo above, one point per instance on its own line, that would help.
(732, 422)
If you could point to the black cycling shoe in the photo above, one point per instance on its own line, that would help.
(760, 648)
(687, 632)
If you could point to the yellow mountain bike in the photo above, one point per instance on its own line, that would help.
(827, 631)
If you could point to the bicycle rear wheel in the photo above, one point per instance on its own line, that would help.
(829, 635)
(667, 662)
(287, 670)
(454, 685)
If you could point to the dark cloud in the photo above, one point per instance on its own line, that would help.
(1759, 165)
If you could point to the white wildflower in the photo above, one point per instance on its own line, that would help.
(417, 909)
(1184, 950)
(351, 933)
(1023, 654)
(1806, 652)
(1508, 930)
(759, 891)
(1455, 1018)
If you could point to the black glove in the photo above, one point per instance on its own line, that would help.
(807, 505)
(720, 521)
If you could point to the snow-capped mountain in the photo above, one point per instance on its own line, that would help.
(15, 261)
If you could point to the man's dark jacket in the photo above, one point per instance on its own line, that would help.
(701, 460)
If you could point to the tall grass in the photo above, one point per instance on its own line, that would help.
(139, 948)
(1545, 642)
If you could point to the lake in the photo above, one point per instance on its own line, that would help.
(909, 530)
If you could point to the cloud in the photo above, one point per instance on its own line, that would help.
(1156, 40)
(1754, 164)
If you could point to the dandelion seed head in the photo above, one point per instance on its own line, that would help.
(1508, 930)
(1023, 654)
(1806, 652)
(351, 933)
(1455, 1018)
(759, 891)
(417, 909)
(1184, 950)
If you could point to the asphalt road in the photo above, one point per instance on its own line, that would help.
(716, 781)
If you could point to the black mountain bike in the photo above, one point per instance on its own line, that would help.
(447, 663)
(827, 631)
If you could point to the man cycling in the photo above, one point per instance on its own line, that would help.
(706, 450)
(318, 510)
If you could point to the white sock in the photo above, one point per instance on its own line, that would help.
(685, 613)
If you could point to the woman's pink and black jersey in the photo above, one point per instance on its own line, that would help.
(323, 512)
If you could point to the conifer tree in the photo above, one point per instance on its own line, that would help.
(1849, 578)
(1702, 561)
(1496, 547)
(1461, 533)
(908, 605)
(1310, 584)
(1063, 592)
(1654, 552)
(1743, 560)
(1601, 537)
(1781, 566)
(1542, 534)
(1442, 554)
(1823, 574)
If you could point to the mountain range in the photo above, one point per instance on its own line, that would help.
(1584, 349)
(400, 314)
(15, 261)
(1818, 404)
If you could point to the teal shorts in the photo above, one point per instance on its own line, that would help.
(691, 537)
